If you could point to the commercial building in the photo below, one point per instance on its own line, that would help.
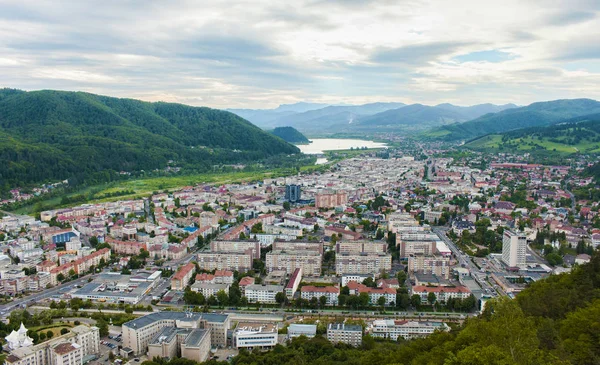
(118, 288)
(292, 193)
(262, 293)
(254, 335)
(392, 329)
(345, 333)
(308, 261)
(140, 332)
(363, 263)
(514, 249)
(296, 330)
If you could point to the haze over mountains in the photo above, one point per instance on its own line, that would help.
(378, 116)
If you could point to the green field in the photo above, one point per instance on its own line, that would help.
(494, 142)
(145, 187)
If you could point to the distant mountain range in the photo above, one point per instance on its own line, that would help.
(536, 114)
(371, 117)
(55, 135)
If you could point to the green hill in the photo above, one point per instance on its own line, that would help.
(290, 134)
(54, 135)
(577, 135)
(536, 114)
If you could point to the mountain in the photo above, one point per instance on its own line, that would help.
(574, 135)
(536, 114)
(300, 107)
(316, 120)
(290, 134)
(54, 135)
(412, 115)
(475, 111)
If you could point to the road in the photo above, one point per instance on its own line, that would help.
(463, 259)
(36, 297)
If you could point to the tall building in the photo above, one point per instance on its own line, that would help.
(292, 193)
(514, 248)
(331, 199)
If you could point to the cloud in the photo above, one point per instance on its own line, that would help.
(570, 17)
(259, 54)
(416, 54)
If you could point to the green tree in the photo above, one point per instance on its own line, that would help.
(415, 301)
(280, 298)
(431, 298)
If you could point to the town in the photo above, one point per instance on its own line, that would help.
(384, 247)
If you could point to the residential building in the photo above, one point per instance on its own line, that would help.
(222, 260)
(262, 293)
(308, 261)
(426, 264)
(362, 263)
(293, 283)
(331, 199)
(183, 276)
(292, 193)
(330, 292)
(392, 329)
(514, 249)
(345, 333)
(442, 293)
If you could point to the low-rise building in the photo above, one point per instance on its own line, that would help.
(263, 293)
(392, 329)
(254, 335)
(330, 292)
(296, 330)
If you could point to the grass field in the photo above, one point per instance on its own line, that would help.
(494, 142)
(145, 187)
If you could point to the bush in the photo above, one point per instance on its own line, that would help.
(64, 331)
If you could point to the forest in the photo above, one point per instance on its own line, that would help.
(48, 136)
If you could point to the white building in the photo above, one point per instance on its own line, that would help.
(255, 335)
(514, 249)
(263, 293)
(297, 330)
(391, 329)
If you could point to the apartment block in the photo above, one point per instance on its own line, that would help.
(290, 260)
(222, 260)
(362, 263)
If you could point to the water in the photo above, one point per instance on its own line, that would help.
(319, 145)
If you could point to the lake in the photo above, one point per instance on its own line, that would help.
(319, 145)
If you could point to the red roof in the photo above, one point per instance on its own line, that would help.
(179, 275)
(440, 289)
(320, 289)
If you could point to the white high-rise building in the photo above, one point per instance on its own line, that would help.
(514, 249)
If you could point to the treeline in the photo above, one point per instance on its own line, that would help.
(51, 135)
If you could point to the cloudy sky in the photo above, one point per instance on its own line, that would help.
(259, 54)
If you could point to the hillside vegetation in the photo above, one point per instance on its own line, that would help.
(290, 134)
(534, 115)
(554, 321)
(578, 135)
(54, 135)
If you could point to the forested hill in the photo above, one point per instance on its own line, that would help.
(290, 134)
(534, 115)
(51, 135)
(554, 321)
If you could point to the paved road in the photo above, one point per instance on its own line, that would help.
(36, 297)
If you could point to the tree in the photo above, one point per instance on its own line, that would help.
(363, 300)
(415, 300)
(212, 300)
(431, 298)
(222, 297)
(280, 298)
(286, 205)
(60, 277)
(49, 334)
(322, 301)
(93, 241)
(381, 301)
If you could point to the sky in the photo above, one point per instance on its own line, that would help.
(259, 54)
